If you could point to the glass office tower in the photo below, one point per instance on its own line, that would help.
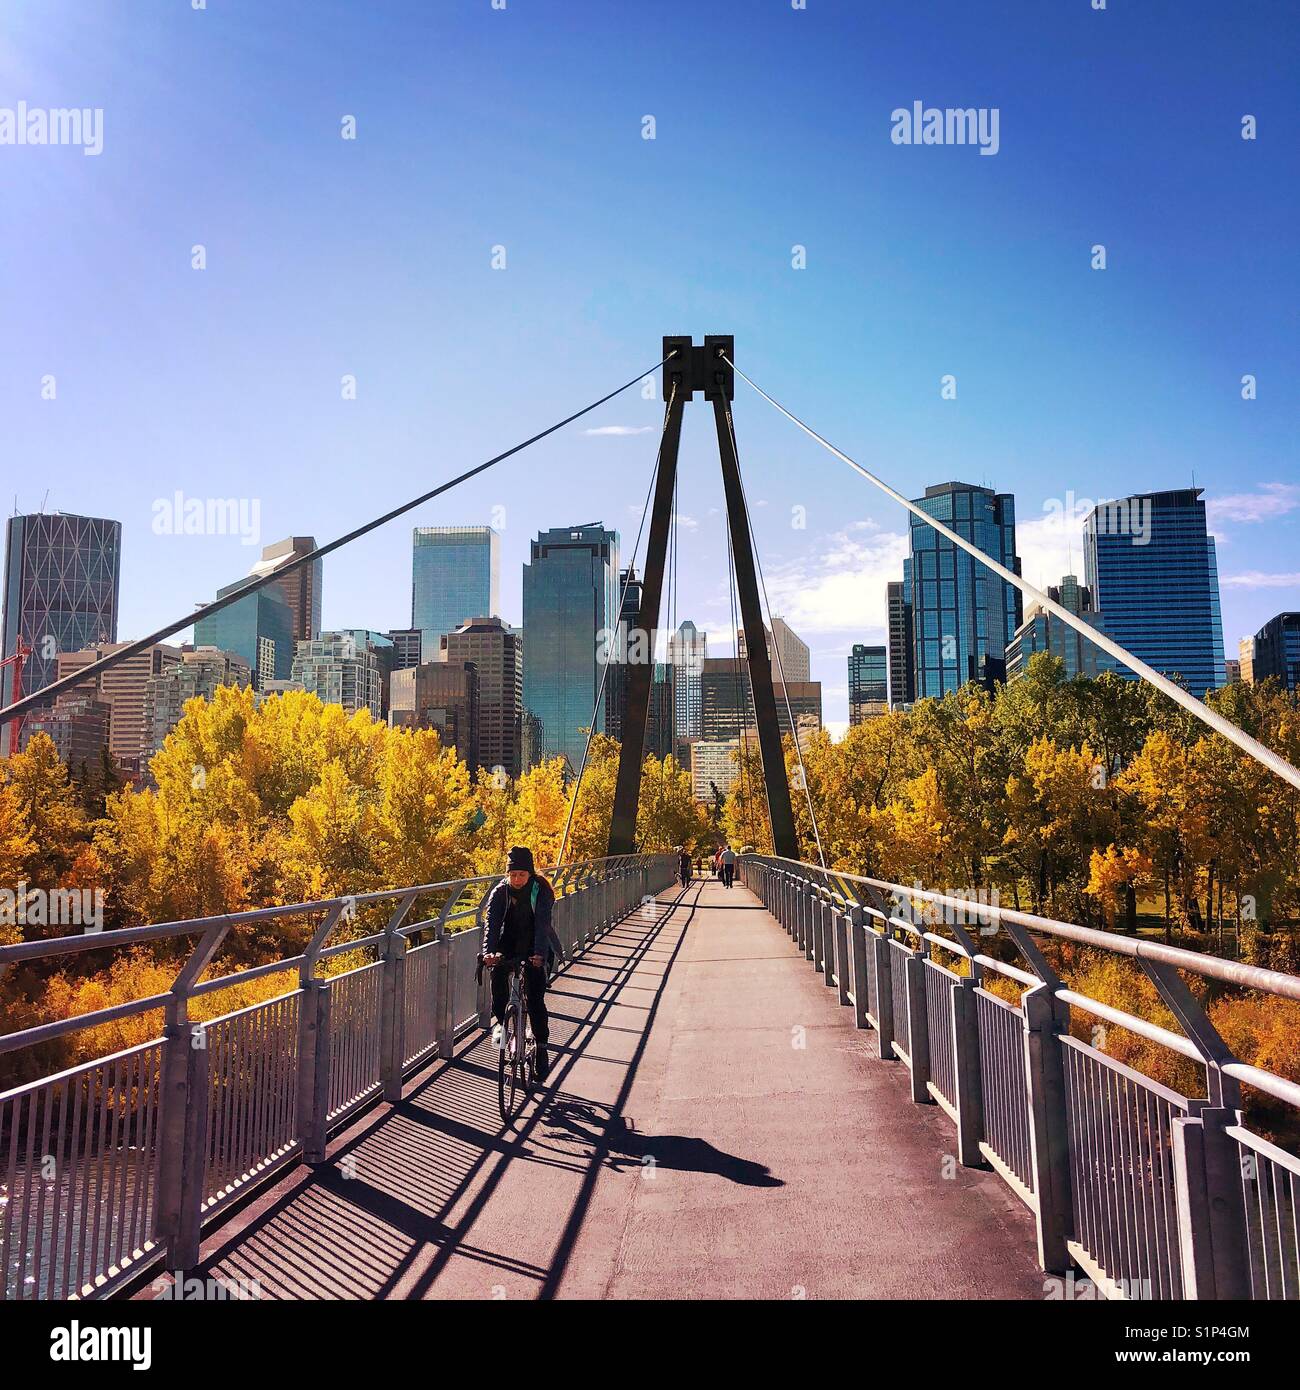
(687, 649)
(1151, 566)
(258, 628)
(868, 683)
(454, 577)
(1275, 651)
(961, 612)
(570, 597)
(61, 578)
(902, 685)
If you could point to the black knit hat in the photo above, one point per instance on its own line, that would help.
(521, 857)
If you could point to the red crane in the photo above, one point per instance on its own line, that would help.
(21, 652)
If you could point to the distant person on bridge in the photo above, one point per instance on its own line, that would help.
(518, 923)
(684, 866)
(728, 865)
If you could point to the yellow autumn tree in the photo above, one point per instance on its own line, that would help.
(44, 811)
(668, 815)
(540, 807)
(594, 808)
(1113, 871)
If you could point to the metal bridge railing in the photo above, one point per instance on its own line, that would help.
(117, 1164)
(1151, 1193)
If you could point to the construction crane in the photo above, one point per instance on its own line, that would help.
(21, 652)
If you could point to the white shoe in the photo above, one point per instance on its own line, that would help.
(498, 1036)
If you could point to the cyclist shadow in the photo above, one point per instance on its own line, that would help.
(620, 1146)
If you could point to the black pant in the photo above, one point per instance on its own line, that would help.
(728, 873)
(535, 990)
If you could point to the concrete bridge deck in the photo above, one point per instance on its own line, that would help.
(713, 1127)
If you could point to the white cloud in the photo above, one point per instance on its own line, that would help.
(1049, 546)
(1256, 579)
(620, 430)
(1268, 501)
(841, 588)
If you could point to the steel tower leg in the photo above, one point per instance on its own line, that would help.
(702, 369)
(762, 691)
(641, 640)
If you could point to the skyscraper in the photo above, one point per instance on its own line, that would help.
(618, 653)
(727, 706)
(258, 628)
(961, 613)
(787, 652)
(441, 695)
(660, 741)
(1152, 569)
(1044, 632)
(868, 684)
(61, 579)
(198, 673)
(406, 647)
(301, 590)
(1276, 651)
(687, 649)
(454, 577)
(341, 670)
(1246, 659)
(902, 681)
(123, 688)
(498, 654)
(570, 600)
(79, 726)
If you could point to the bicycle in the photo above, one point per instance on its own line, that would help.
(517, 1059)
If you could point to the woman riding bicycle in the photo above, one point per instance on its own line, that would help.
(518, 925)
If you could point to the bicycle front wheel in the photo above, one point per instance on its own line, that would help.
(506, 1068)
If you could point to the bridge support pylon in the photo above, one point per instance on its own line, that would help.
(702, 369)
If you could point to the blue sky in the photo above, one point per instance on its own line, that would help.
(522, 128)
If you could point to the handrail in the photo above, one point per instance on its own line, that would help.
(212, 931)
(1151, 1192)
(1220, 1063)
(1212, 967)
(205, 1110)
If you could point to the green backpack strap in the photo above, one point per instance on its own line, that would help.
(533, 894)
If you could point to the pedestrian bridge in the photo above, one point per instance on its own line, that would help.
(790, 1089)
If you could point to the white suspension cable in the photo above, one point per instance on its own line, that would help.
(1266, 756)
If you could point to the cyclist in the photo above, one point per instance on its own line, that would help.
(728, 866)
(684, 866)
(518, 923)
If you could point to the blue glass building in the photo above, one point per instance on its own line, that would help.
(1045, 632)
(454, 577)
(868, 683)
(570, 597)
(1151, 566)
(961, 612)
(258, 628)
(1277, 651)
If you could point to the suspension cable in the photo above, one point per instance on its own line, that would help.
(618, 625)
(776, 646)
(95, 668)
(1271, 760)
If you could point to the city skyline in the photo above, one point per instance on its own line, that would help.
(204, 632)
(1071, 383)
